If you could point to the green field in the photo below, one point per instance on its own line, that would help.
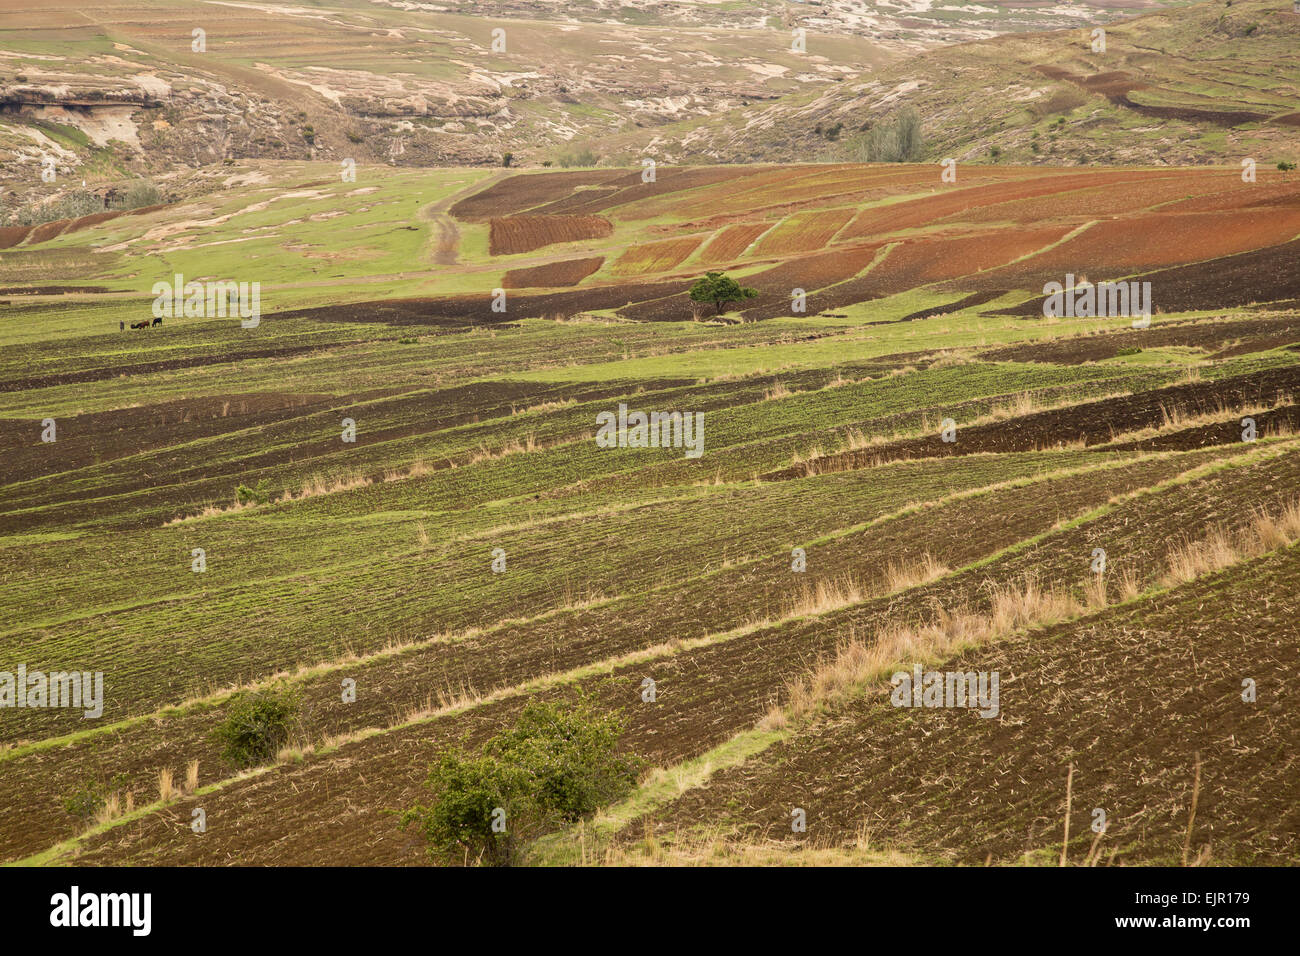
(372, 560)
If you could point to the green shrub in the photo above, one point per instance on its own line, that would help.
(553, 767)
(258, 495)
(92, 797)
(138, 193)
(257, 725)
(75, 203)
(896, 141)
(86, 802)
(583, 157)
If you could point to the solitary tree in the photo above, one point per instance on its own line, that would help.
(555, 765)
(719, 290)
(1286, 167)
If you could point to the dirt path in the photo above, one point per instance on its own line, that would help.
(448, 232)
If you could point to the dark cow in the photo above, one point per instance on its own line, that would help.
(157, 320)
(140, 325)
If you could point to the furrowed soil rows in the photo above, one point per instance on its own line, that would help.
(651, 257)
(806, 232)
(631, 191)
(731, 243)
(1076, 699)
(709, 694)
(1264, 275)
(103, 436)
(917, 213)
(523, 192)
(1091, 423)
(553, 275)
(1223, 338)
(1125, 246)
(514, 234)
(916, 262)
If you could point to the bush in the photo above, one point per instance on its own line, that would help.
(553, 767)
(257, 726)
(899, 141)
(92, 797)
(258, 495)
(86, 802)
(140, 192)
(82, 202)
(583, 157)
(77, 202)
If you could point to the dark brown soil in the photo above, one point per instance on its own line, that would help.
(1261, 275)
(1093, 423)
(1116, 85)
(553, 275)
(1132, 698)
(1223, 339)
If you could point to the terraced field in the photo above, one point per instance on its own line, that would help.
(916, 467)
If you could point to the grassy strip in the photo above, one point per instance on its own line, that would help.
(219, 696)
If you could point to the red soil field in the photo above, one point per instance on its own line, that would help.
(1106, 201)
(10, 236)
(631, 191)
(520, 193)
(732, 241)
(553, 275)
(917, 262)
(1261, 275)
(917, 213)
(658, 256)
(60, 226)
(815, 271)
(513, 234)
(93, 220)
(1125, 246)
(1235, 194)
(792, 188)
(48, 230)
(806, 232)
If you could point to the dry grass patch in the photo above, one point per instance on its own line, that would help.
(718, 848)
(778, 390)
(1223, 547)
(166, 788)
(860, 662)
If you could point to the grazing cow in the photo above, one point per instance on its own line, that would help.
(140, 325)
(157, 320)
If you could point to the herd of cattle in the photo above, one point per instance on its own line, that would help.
(121, 326)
